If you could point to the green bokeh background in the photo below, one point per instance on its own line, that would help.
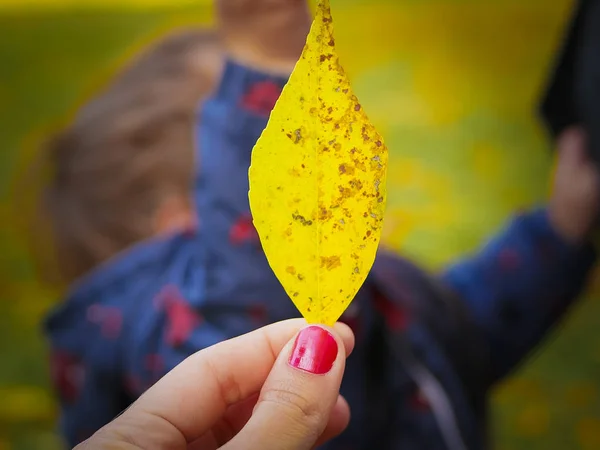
(452, 84)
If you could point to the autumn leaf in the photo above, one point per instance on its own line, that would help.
(317, 183)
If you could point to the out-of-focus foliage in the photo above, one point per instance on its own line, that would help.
(451, 84)
(95, 4)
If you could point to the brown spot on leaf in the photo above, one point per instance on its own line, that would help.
(357, 107)
(346, 169)
(346, 192)
(365, 136)
(291, 270)
(330, 262)
(302, 220)
(324, 213)
(297, 135)
(356, 184)
(360, 165)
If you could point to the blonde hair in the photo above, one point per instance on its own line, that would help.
(127, 149)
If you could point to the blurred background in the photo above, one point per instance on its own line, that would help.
(452, 85)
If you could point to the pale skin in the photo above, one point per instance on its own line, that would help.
(265, 34)
(239, 394)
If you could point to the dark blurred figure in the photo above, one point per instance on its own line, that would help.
(573, 94)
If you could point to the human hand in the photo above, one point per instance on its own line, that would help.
(268, 35)
(575, 201)
(263, 390)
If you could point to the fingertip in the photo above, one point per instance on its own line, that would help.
(341, 411)
(339, 417)
(301, 394)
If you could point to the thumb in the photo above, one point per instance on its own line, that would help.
(297, 400)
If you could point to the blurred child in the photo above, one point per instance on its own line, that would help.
(429, 349)
(123, 170)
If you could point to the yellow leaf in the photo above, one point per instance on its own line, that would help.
(317, 183)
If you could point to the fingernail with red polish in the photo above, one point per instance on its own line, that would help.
(315, 351)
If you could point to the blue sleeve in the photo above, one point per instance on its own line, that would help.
(519, 286)
(229, 125)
